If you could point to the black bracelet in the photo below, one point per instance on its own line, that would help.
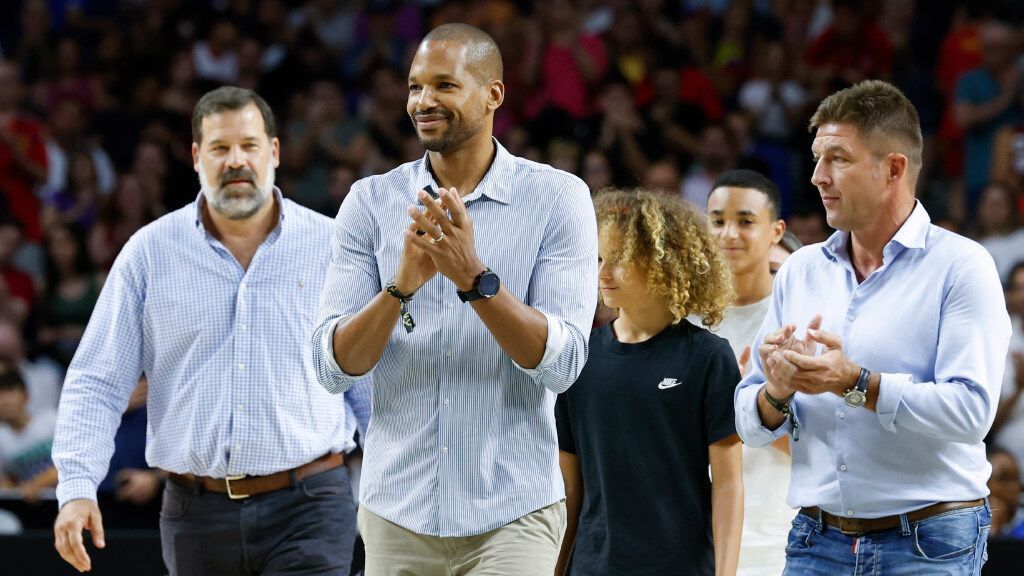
(407, 320)
(784, 409)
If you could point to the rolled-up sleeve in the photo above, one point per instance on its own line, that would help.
(564, 287)
(106, 368)
(352, 281)
(974, 334)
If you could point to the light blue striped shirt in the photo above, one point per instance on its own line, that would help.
(932, 321)
(461, 440)
(232, 388)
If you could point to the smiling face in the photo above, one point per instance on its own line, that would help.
(622, 285)
(849, 177)
(236, 162)
(447, 103)
(743, 222)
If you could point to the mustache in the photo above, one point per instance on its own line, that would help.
(444, 112)
(238, 174)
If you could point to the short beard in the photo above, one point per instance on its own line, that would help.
(237, 207)
(452, 137)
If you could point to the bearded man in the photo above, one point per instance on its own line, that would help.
(215, 303)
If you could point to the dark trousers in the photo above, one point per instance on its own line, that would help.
(308, 530)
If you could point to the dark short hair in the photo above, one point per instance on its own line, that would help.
(743, 178)
(482, 54)
(11, 378)
(230, 98)
(882, 114)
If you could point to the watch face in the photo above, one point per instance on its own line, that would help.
(855, 398)
(489, 284)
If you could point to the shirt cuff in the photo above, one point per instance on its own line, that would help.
(327, 345)
(558, 335)
(890, 394)
(75, 489)
(752, 431)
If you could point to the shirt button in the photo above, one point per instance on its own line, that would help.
(445, 401)
(843, 467)
(241, 366)
(241, 326)
(240, 407)
(444, 449)
(842, 415)
(448, 354)
(850, 317)
(451, 305)
(238, 447)
(849, 512)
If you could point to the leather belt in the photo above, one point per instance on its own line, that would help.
(856, 526)
(238, 487)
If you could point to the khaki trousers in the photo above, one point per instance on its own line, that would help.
(525, 547)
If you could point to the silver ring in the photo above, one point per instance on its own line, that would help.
(438, 239)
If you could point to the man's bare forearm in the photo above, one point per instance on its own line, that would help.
(360, 340)
(520, 330)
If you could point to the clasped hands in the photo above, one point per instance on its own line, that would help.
(790, 365)
(438, 239)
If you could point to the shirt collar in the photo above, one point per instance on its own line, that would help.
(912, 234)
(491, 184)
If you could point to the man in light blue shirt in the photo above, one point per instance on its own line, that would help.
(214, 303)
(472, 311)
(888, 396)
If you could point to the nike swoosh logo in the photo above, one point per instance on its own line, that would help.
(668, 383)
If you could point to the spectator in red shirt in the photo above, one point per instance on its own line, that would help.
(17, 285)
(852, 49)
(562, 63)
(22, 154)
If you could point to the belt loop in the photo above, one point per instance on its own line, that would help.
(904, 525)
(293, 479)
(197, 485)
(821, 521)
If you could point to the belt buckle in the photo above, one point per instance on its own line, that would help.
(232, 495)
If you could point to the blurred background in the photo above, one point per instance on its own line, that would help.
(96, 98)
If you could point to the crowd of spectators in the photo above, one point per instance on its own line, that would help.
(96, 98)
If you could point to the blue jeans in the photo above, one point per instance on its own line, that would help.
(306, 530)
(949, 544)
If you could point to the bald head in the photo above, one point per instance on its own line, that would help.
(483, 59)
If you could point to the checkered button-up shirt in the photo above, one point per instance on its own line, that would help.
(232, 388)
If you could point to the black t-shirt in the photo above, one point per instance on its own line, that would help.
(640, 418)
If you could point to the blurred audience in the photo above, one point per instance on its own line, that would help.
(42, 376)
(1004, 485)
(1008, 427)
(25, 439)
(73, 287)
(95, 105)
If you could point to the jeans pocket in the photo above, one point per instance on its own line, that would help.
(947, 537)
(175, 502)
(800, 535)
(325, 485)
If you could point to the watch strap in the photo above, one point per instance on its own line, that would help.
(474, 292)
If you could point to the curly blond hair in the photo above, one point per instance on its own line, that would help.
(668, 239)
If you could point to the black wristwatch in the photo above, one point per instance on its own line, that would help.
(858, 393)
(486, 285)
